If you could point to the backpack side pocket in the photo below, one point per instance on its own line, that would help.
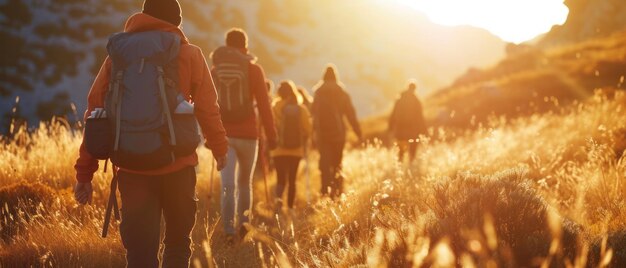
(187, 134)
(98, 137)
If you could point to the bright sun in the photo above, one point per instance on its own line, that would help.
(512, 20)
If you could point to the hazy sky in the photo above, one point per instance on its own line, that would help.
(512, 20)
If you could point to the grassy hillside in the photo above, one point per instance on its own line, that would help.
(546, 189)
(530, 79)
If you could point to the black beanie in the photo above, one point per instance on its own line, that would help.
(167, 10)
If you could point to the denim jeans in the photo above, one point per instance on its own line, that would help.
(144, 200)
(242, 155)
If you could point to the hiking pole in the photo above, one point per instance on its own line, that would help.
(213, 163)
(307, 173)
(112, 206)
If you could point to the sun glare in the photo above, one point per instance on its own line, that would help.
(512, 20)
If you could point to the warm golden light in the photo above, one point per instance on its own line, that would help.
(512, 20)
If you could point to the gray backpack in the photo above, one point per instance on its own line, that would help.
(140, 103)
(232, 84)
(290, 129)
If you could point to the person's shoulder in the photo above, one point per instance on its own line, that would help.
(254, 67)
(277, 103)
(191, 51)
(343, 92)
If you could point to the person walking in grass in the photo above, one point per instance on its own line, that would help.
(406, 123)
(150, 62)
(331, 104)
(294, 127)
(240, 84)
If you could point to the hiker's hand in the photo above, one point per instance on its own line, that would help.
(221, 162)
(83, 192)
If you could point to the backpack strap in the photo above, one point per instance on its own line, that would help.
(117, 106)
(166, 107)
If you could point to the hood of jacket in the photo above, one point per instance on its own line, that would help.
(141, 22)
(407, 94)
(225, 53)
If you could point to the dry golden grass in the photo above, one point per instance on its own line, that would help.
(544, 190)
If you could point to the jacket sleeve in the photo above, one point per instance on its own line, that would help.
(313, 111)
(275, 113)
(421, 120)
(350, 113)
(392, 118)
(259, 90)
(86, 165)
(206, 108)
(307, 126)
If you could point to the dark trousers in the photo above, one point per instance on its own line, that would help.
(331, 155)
(286, 173)
(144, 200)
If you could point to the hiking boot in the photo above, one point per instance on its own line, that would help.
(278, 206)
(243, 232)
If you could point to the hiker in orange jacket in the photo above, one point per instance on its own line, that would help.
(240, 82)
(170, 190)
(407, 122)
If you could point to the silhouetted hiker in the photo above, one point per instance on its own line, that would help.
(240, 83)
(293, 122)
(407, 122)
(330, 105)
(154, 74)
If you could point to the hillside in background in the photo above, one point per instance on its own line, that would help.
(563, 66)
(57, 47)
(531, 79)
(588, 19)
(587, 53)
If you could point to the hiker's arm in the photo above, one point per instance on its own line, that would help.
(351, 114)
(206, 108)
(275, 113)
(307, 126)
(86, 165)
(314, 108)
(422, 121)
(258, 88)
(392, 118)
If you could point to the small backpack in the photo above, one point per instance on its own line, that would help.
(142, 132)
(290, 133)
(232, 84)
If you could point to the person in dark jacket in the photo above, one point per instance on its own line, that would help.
(407, 122)
(331, 104)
